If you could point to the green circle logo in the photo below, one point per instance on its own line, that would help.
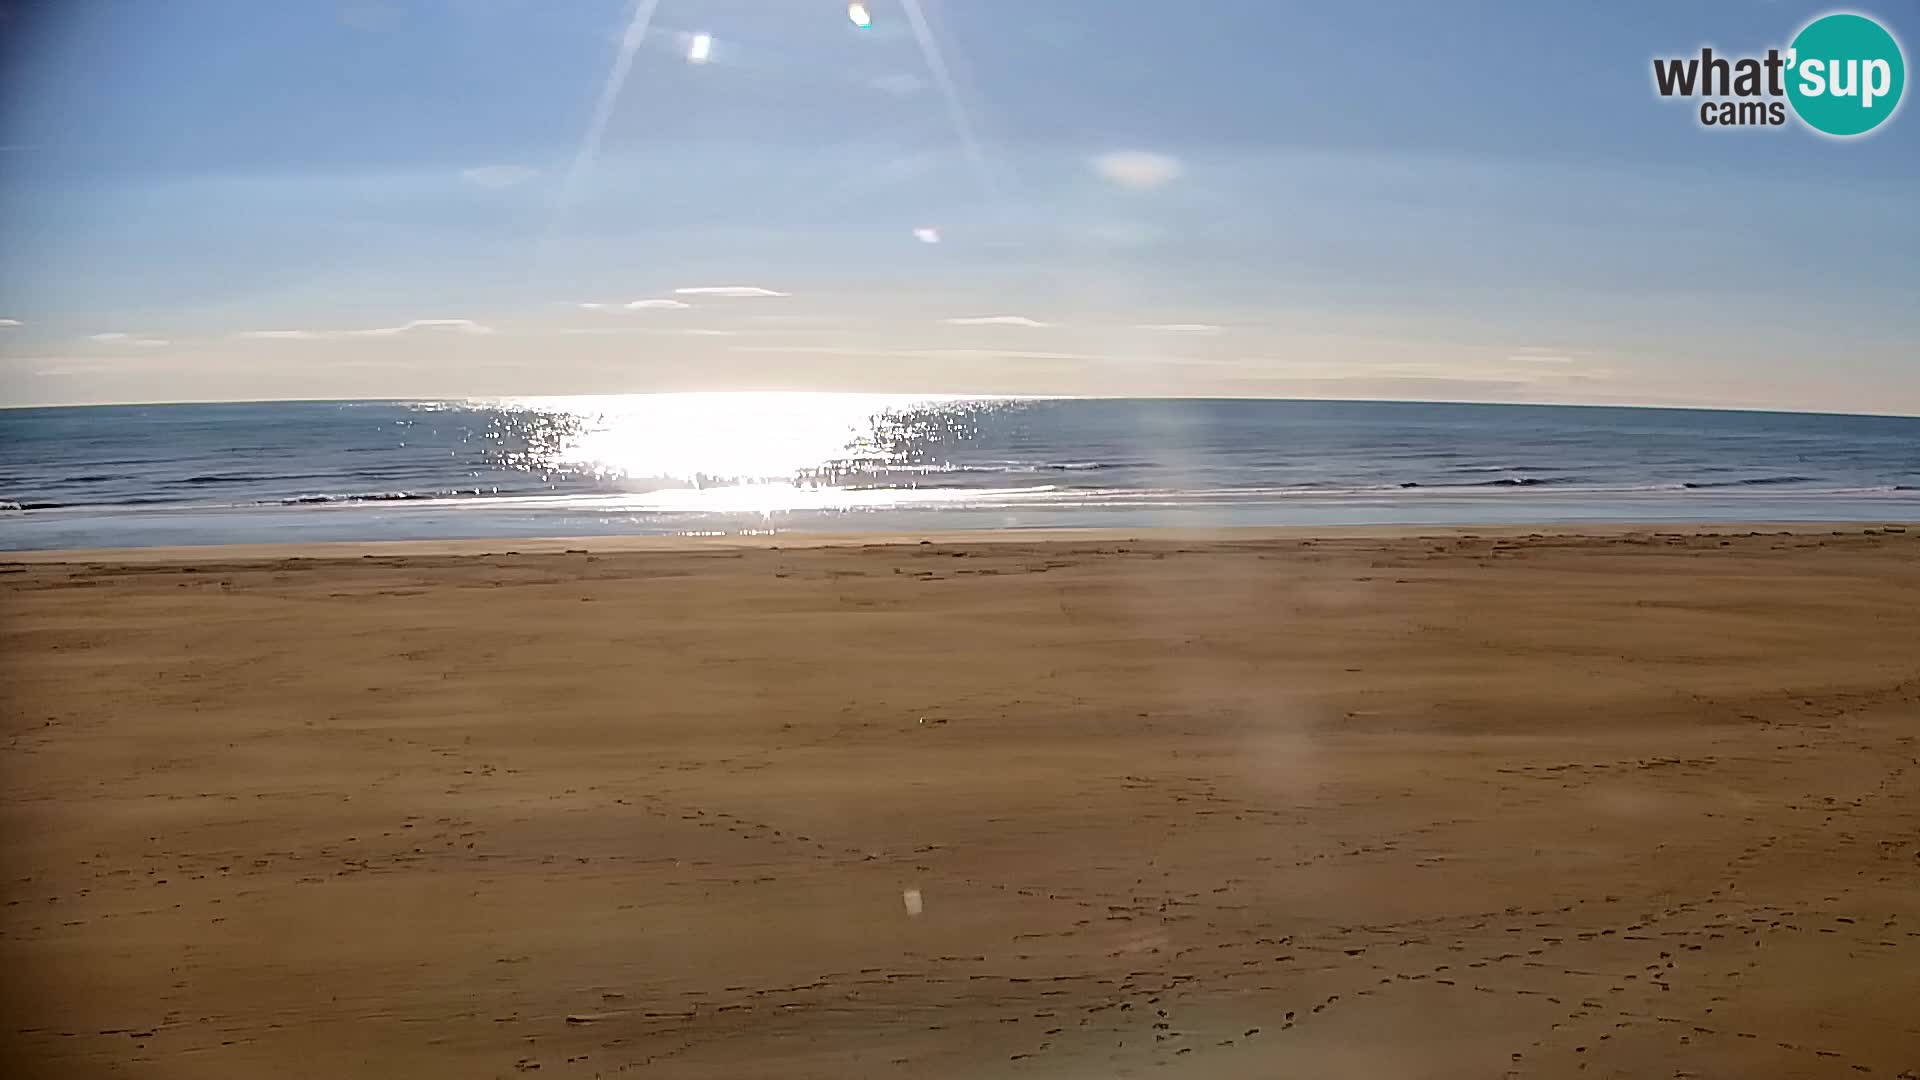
(1845, 74)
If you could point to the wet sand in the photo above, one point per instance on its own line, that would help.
(1370, 805)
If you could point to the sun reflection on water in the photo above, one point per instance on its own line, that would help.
(737, 452)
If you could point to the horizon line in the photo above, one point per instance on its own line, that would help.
(484, 398)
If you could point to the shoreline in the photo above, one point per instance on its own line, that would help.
(603, 544)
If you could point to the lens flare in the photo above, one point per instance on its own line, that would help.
(583, 160)
(943, 78)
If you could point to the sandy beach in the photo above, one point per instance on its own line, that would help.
(1368, 804)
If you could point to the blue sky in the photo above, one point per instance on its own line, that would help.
(208, 199)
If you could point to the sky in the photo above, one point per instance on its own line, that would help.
(231, 200)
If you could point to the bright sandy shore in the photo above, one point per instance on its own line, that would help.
(1353, 803)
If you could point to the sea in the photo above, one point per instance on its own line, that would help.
(759, 463)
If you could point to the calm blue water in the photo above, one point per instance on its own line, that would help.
(299, 471)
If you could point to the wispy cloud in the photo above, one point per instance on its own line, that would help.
(1539, 354)
(927, 234)
(9, 322)
(636, 305)
(452, 326)
(953, 354)
(1203, 329)
(648, 331)
(498, 177)
(997, 320)
(462, 326)
(1140, 170)
(117, 338)
(728, 290)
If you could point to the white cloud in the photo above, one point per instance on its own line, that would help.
(927, 234)
(728, 290)
(498, 177)
(126, 339)
(1141, 170)
(1207, 329)
(9, 322)
(703, 332)
(455, 326)
(998, 320)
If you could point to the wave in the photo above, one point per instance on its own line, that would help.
(855, 498)
(215, 479)
(1503, 482)
(99, 504)
(369, 496)
(227, 478)
(878, 468)
(1752, 481)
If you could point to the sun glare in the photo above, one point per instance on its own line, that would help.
(762, 447)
